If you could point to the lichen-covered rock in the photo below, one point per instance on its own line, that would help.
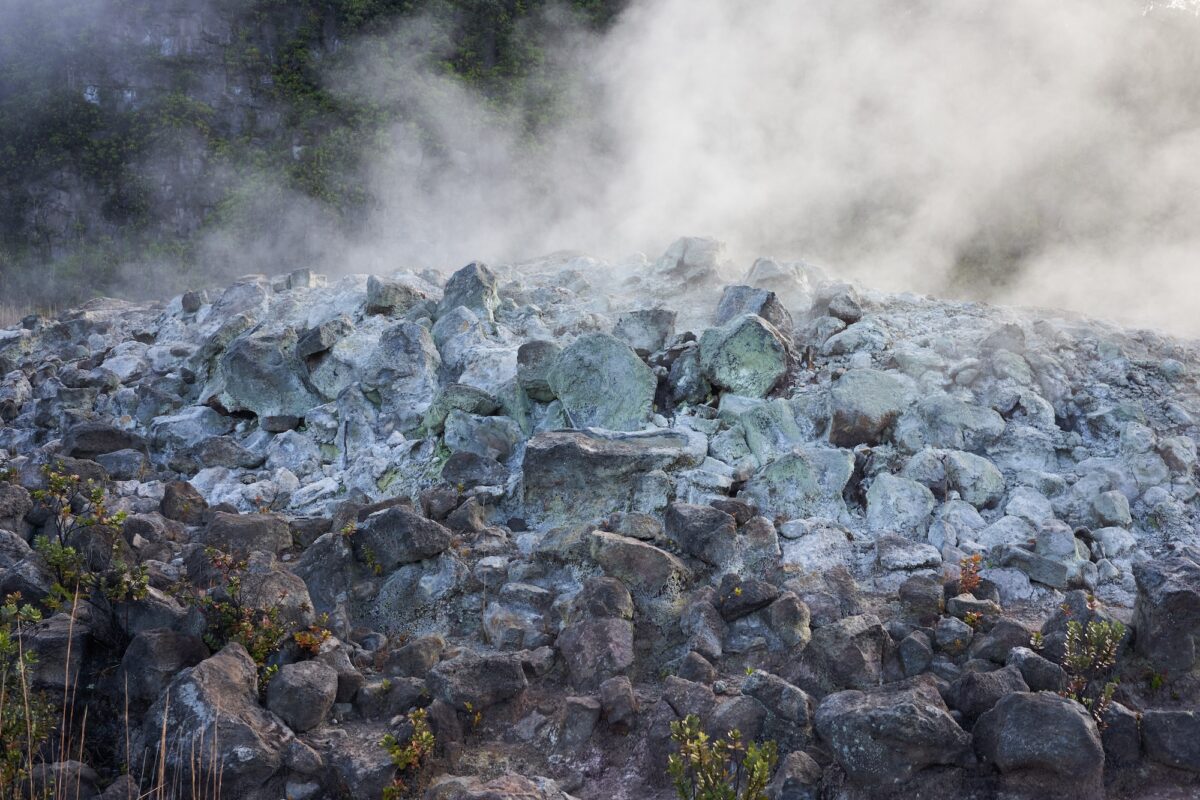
(807, 483)
(602, 383)
(746, 356)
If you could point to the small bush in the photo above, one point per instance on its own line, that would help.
(1089, 657)
(27, 718)
(408, 758)
(724, 769)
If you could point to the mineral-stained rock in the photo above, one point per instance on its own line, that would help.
(746, 356)
(866, 402)
(803, 484)
(474, 287)
(579, 475)
(602, 383)
(883, 736)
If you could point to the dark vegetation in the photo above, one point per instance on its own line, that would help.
(123, 143)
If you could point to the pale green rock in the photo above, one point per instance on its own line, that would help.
(602, 383)
(803, 484)
(899, 505)
(747, 356)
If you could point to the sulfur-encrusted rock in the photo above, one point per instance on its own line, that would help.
(746, 356)
(602, 383)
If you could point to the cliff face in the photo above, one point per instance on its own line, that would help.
(558, 506)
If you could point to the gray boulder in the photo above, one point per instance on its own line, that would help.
(482, 681)
(1167, 611)
(1044, 742)
(865, 404)
(473, 287)
(747, 356)
(1172, 738)
(602, 383)
(302, 694)
(884, 736)
(397, 536)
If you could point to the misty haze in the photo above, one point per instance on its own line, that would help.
(599, 399)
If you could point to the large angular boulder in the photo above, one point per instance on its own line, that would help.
(91, 439)
(1043, 742)
(596, 650)
(899, 505)
(865, 404)
(397, 536)
(647, 570)
(1167, 611)
(746, 356)
(156, 656)
(239, 534)
(571, 476)
(1172, 738)
(302, 694)
(806, 483)
(481, 681)
(739, 300)
(602, 383)
(702, 531)
(473, 287)
(212, 724)
(883, 736)
(262, 374)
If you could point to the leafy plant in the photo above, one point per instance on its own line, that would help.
(26, 717)
(721, 769)
(1089, 656)
(968, 580)
(231, 619)
(311, 638)
(78, 509)
(410, 756)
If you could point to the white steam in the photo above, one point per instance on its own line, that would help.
(1015, 150)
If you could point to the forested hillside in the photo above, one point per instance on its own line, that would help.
(132, 130)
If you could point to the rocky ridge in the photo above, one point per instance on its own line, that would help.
(563, 503)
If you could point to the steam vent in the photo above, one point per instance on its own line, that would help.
(574, 529)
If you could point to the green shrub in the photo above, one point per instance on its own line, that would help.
(721, 769)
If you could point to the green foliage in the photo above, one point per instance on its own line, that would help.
(26, 717)
(231, 619)
(1089, 657)
(79, 510)
(721, 769)
(409, 757)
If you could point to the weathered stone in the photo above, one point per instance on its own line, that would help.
(602, 383)
(746, 356)
(302, 694)
(647, 330)
(474, 287)
(1167, 611)
(154, 657)
(397, 536)
(214, 726)
(239, 534)
(482, 681)
(865, 403)
(976, 692)
(1172, 738)
(644, 568)
(899, 505)
(573, 476)
(884, 736)
(702, 531)
(804, 484)
(738, 300)
(1045, 741)
(596, 650)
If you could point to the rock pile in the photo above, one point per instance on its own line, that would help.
(562, 504)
